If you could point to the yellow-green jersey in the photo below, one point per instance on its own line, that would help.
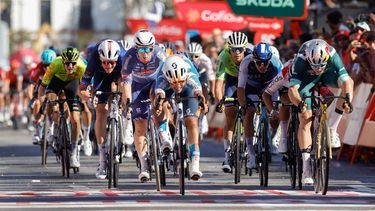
(57, 69)
(226, 65)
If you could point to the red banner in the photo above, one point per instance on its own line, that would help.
(166, 29)
(210, 15)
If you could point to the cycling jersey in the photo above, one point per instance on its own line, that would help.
(253, 80)
(37, 73)
(225, 64)
(101, 80)
(302, 71)
(192, 81)
(57, 69)
(281, 81)
(133, 70)
(305, 79)
(192, 86)
(205, 66)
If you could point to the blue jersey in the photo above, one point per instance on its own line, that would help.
(94, 65)
(192, 81)
(250, 76)
(134, 70)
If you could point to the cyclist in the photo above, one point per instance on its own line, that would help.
(280, 84)
(105, 67)
(227, 70)
(317, 61)
(256, 72)
(65, 73)
(139, 73)
(36, 76)
(180, 76)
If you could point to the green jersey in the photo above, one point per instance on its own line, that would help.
(226, 65)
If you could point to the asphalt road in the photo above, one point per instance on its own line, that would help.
(25, 184)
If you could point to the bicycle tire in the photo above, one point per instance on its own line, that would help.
(325, 157)
(315, 159)
(111, 156)
(162, 167)
(66, 142)
(291, 156)
(44, 146)
(155, 155)
(236, 148)
(265, 152)
(181, 151)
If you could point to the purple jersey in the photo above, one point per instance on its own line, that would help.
(134, 70)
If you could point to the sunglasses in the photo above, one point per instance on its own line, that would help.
(237, 50)
(178, 82)
(144, 50)
(107, 63)
(195, 56)
(316, 66)
(70, 63)
(260, 62)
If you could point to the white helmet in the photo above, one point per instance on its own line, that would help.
(237, 40)
(125, 44)
(109, 50)
(195, 48)
(175, 69)
(275, 52)
(317, 53)
(144, 38)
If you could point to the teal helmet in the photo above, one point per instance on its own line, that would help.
(48, 56)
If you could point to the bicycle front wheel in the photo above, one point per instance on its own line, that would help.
(181, 150)
(155, 155)
(44, 144)
(236, 148)
(66, 148)
(265, 152)
(291, 156)
(324, 157)
(111, 152)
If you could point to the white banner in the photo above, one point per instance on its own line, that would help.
(356, 118)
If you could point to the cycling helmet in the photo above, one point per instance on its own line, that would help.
(109, 50)
(237, 40)
(48, 56)
(262, 51)
(70, 54)
(275, 52)
(195, 48)
(175, 69)
(182, 53)
(317, 53)
(27, 60)
(144, 38)
(125, 44)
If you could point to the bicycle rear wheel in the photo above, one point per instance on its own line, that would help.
(155, 155)
(111, 153)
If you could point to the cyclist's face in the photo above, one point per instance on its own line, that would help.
(237, 55)
(108, 66)
(144, 54)
(69, 66)
(262, 65)
(196, 58)
(178, 86)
